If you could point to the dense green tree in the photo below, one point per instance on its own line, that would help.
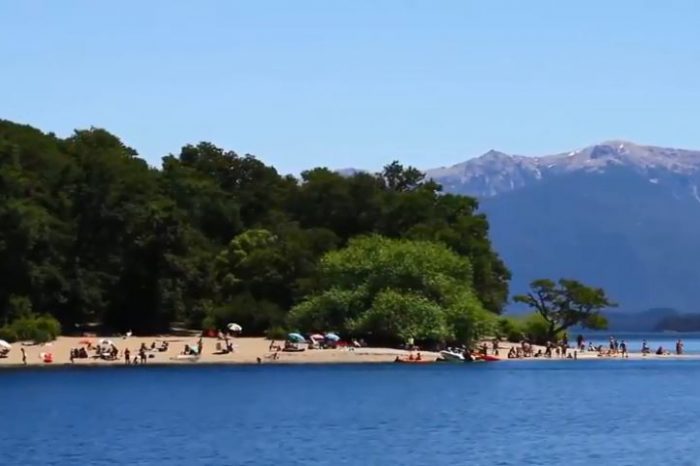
(89, 233)
(391, 290)
(565, 304)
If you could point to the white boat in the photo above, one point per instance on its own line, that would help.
(451, 355)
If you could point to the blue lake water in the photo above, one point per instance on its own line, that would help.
(508, 413)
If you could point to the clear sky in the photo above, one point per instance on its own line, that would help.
(356, 83)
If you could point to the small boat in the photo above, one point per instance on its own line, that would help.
(414, 361)
(486, 358)
(451, 356)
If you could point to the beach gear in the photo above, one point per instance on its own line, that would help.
(4, 344)
(332, 336)
(317, 336)
(234, 327)
(296, 337)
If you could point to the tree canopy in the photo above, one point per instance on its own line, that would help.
(565, 304)
(90, 233)
(394, 289)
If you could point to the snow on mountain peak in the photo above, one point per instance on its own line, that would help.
(495, 172)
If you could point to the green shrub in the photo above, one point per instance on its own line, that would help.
(39, 329)
(537, 329)
(7, 334)
(49, 325)
(276, 333)
(510, 328)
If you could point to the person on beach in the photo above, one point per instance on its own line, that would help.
(24, 356)
(623, 349)
(495, 347)
(679, 347)
(645, 347)
(142, 354)
(579, 342)
(127, 356)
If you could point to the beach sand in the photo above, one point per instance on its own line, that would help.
(247, 351)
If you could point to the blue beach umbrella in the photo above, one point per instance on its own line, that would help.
(296, 337)
(332, 336)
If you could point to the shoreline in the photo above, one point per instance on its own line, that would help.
(256, 351)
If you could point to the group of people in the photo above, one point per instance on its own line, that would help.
(141, 357)
(107, 352)
(559, 349)
(660, 351)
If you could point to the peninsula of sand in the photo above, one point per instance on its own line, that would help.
(246, 350)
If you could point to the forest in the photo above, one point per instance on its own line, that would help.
(92, 235)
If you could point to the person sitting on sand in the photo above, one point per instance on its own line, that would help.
(511, 353)
(418, 357)
(410, 357)
(591, 348)
(645, 347)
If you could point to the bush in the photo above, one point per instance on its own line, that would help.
(7, 334)
(276, 333)
(253, 315)
(39, 329)
(510, 328)
(537, 329)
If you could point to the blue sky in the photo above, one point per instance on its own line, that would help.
(356, 83)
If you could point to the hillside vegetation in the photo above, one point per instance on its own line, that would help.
(90, 233)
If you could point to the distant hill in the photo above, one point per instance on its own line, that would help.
(679, 323)
(644, 321)
(618, 215)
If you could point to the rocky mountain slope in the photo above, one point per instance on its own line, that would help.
(617, 214)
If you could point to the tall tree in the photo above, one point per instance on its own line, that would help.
(565, 304)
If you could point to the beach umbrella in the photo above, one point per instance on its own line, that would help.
(332, 336)
(296, 337)
(234, 327)
(106, 342)
(4, 344)
(317, 336)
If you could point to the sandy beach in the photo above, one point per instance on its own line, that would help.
(246, 351)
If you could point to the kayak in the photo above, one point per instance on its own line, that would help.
(487, 358)
(414, 361)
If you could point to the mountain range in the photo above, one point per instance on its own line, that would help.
(618, 215)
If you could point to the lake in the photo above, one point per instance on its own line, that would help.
(506, 413)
